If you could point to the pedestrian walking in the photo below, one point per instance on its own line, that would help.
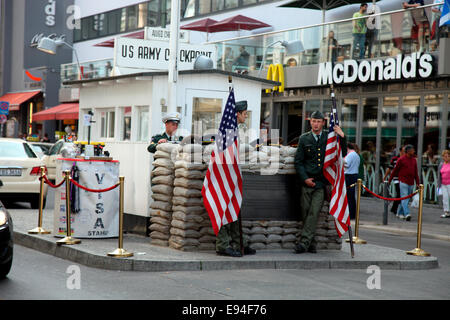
(171, 121)
(406, 171)
(309, 160)
(391, 167)
(351, 171)
(228, 239)
(444, 182)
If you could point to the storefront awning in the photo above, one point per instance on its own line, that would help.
(60, 112)
(15, 99)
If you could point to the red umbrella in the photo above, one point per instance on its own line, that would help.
(237, 23)
(200, 25)
(110, 43)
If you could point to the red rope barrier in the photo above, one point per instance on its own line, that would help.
(390, 199)
(51, 184)
(94, 190)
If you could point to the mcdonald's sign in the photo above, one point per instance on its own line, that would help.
(276, 73)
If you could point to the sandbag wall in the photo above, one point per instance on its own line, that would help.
(179, 220)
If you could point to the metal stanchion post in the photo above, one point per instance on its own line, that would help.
(68, 239)
(418, 251)
(39, 229)
(356, 239)
(120, 252)
(386, 203)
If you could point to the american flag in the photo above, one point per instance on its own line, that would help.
(333, 170)
(222, 187)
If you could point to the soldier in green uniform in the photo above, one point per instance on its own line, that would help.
(228, 239)
(171, 122)
(309, 160)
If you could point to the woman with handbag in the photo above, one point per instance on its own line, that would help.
(444, 182)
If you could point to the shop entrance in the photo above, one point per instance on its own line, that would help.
(290, 121)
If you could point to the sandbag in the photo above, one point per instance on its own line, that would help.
(160, 213)
(187, 193)
(192, 148)
(207, 246)
(275, 230)
(162, 162)
(168, 147)
(207, 231)
(189, 166)
(161, 197)
(158, 242)
(159, 235)
(207, 238)
(288, 238)
(161, 154)
(160, 228)
(162, 188)
(166, 179)
(161, 171)
(189, 174)
(185, 233)
(258, 230)
(165, 206)
(189, 210)
(179, 215)
(187, 202)
(190, 157)
(273, 238)
(183, 225)
(159, 220)
(188, 183)
(258, 238)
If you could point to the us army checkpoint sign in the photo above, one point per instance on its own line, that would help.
(98, 215)
(154, 55)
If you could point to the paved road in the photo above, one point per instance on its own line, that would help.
(40, 276)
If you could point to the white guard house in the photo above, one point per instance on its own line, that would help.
(128, 111)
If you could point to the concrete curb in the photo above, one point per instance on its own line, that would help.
(74, 254)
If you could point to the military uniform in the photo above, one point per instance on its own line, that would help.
(155, 139)
(309, 160)
(175, 116)
(228, 239)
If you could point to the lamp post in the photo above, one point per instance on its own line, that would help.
(292, 47)
(50, 45)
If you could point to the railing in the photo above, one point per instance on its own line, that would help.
(89, 70)
(388, 34)
(429, 178)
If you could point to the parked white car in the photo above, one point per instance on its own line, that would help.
(20, 172)
(53, 154)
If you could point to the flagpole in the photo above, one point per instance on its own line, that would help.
(241, 238)
(334, 108)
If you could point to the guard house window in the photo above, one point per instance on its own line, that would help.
(153, 16)
(107, 119)
(231, 4)
(190, 8)
(126, 135)
(204, 6)
(206, 116)
(143, 119)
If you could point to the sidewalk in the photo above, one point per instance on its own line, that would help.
(433, 226)
(93, 252)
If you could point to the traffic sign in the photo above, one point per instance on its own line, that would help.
(4, 107)
(3, 118)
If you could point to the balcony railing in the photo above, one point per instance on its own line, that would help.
(383, 35)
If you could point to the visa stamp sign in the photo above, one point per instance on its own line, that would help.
(154, 55)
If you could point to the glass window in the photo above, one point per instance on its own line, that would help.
(247, 2)
(153, 18)
(142, 15)
(16, 150)
(85, 28)
(389, 120)
(99, 24)
(107, 124)
(113, 21)
(310, 107)
(431, 144)
(132, 16)
(410, 120)
(217, 5)
(123, 19)
(204, 6)
(206, 115)
(349, 108)
(143, 118)
(126, 135)
(231, 4)
(368, 143)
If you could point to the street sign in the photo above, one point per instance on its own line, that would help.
(149, 54)
(4, 107)
(163, 34)
(3, 118)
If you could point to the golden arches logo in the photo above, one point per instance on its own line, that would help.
(276, 73)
